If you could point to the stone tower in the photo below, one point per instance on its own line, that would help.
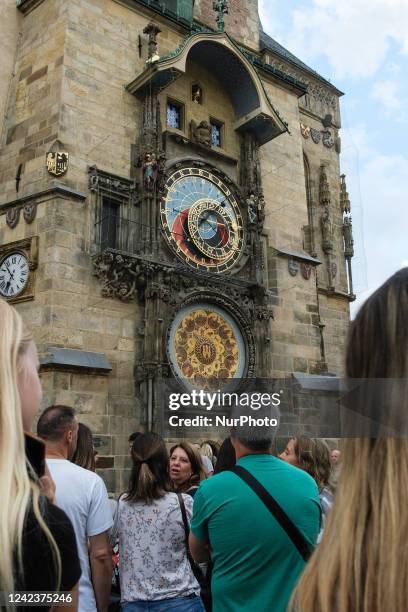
(170, 196)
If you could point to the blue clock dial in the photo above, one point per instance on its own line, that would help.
(201, 220)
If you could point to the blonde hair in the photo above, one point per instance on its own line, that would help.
(361, 563)
(19, 488)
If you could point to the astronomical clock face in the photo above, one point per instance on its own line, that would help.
(206, 346)
(201, 220)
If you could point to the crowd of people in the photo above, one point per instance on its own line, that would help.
(228, 528)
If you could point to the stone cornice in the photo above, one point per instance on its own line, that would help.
(337, 294)
(57, 189)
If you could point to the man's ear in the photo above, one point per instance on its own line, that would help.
(68, 436)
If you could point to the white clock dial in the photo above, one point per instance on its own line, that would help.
(14, 273)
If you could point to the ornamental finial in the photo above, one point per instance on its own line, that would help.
(221, 8)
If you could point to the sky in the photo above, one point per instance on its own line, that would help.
(361, 46)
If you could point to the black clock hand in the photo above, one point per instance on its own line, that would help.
(10, 272)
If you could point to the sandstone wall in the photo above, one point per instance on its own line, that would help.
(242, 21)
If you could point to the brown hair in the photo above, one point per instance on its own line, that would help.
(197, 467)
(362, 561)
(85, 452)
(313, 456)
(149, 478)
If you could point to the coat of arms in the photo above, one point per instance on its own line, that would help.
(328, 139)
(305, 129)
(306, 270)
(316, 135)
(57, 162)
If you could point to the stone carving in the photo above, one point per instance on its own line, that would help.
(252, 207)
(324, 189)
(151, 133)
(319, 93)
(122, 276)
(263, 313)
(150, 172)
(327, 231)
(152, 30)
(293, 267)
(251, 180)
(333, 270)
(57, 162)
(345, 205)
(201, 133)
(197, 94)
(13, 217)
(114, 185)
(327, 121)
(221, 8)
(261, 212)
(305, 130)
(348, 237)
(306, 270)
(337, 144)
(328, 139)
(316, 135)
(29, 211)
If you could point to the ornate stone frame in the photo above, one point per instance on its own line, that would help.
(234, 310)
(179, 164)
(29, 248)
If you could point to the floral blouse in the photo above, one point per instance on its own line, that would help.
(153, 558)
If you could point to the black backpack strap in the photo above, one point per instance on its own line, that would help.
(274, 508)
(198, 574)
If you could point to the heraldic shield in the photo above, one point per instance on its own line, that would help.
(57, 162)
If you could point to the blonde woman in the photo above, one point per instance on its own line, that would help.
(37, 542)
(361, 564)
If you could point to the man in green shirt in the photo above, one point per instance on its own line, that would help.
(256, 564)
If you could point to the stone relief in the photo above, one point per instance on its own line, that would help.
(201, 133)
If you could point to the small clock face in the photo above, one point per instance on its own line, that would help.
(201, 220)
(14, 273)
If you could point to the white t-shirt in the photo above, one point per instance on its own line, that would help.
(208, 466)
(83, 497)
(153, 558)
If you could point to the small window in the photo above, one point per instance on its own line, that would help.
(174, 115)
(197, 94)
(216, 133)
(109, 225)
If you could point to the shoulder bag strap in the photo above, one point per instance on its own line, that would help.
(113, 533)
(199, 576)
(275, 509)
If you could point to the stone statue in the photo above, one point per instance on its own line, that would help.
(152, 30)
(261, 211)
(348, 237)
(327, 230)
(344, 196)
(201, 133)
(252, 206)
(149, 171)
(197, 94)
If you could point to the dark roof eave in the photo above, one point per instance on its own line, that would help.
(296, 64)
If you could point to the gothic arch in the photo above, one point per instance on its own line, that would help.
(217, 52)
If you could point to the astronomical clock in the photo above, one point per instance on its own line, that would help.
(191, 248)
(202, 221)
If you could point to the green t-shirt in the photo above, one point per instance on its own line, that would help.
(256, 564)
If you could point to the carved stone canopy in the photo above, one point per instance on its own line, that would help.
(214, 51)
